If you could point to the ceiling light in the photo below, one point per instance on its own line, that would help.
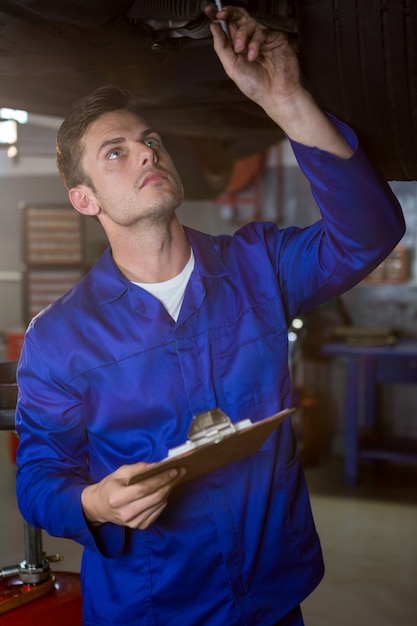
(14, 114)
(12, 151)
(8, 131)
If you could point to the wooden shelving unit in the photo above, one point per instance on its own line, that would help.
(53, 254)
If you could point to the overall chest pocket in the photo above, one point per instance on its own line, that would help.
(250, 362)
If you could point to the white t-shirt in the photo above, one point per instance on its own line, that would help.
(171, 292)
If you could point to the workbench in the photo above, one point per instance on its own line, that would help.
(366, 368)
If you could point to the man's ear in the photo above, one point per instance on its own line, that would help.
(83, 199)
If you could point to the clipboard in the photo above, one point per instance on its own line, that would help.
(206, 457)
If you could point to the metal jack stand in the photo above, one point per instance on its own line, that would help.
(29, 580)
(30, 593)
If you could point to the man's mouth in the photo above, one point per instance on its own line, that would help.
(153, 177)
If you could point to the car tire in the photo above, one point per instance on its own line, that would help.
(359, 58)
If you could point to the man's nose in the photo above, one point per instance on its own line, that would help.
(147, 155)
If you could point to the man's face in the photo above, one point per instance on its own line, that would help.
(132, 174)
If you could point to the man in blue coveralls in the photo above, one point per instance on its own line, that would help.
(171, 322)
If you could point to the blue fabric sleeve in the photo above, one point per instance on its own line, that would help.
(361, 223)
(49, 494)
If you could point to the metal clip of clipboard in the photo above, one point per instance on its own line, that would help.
(209, 427)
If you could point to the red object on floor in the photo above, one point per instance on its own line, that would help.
(61, 606)
(13, 443)
(14, 347)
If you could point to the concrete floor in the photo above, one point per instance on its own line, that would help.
(369, 539)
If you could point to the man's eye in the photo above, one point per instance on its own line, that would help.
(151, 142)
(115, 153)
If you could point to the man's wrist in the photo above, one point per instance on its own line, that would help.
(87, 506)
(304, 122)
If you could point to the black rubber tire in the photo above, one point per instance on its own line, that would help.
(359, 58)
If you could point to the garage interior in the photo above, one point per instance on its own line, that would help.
(355, 415)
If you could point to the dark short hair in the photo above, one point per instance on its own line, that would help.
(69, 149)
